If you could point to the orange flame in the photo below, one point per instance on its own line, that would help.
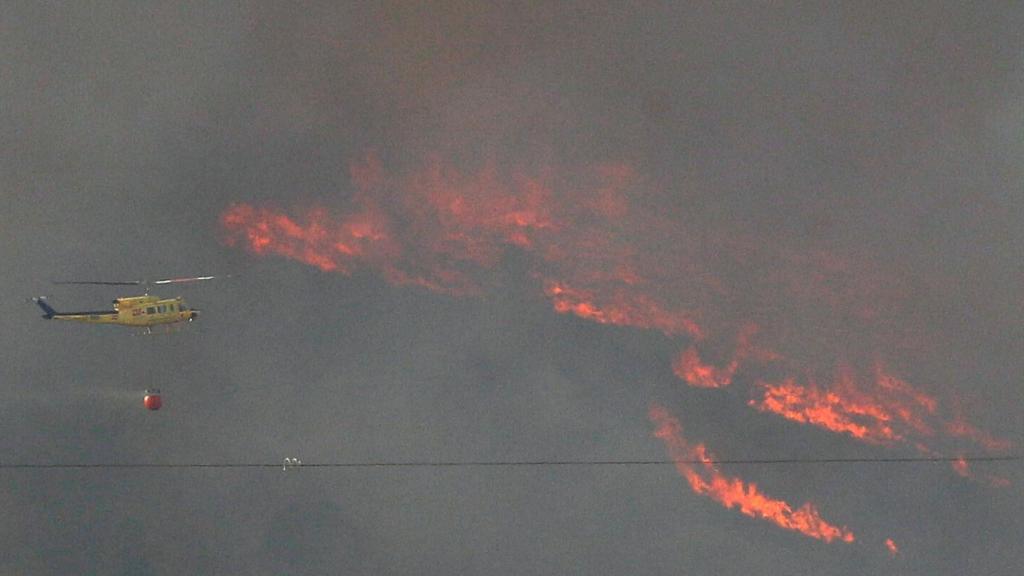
(735, 493)
(689, 367)
(881, 411)
(962, 429)
(601, 257)
(620, 309)
(455, 226)
(318, 242)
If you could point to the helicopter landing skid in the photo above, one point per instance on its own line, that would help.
(161, 329)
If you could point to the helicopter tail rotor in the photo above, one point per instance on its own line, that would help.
(49, 311)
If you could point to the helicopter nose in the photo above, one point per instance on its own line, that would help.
(193, 315)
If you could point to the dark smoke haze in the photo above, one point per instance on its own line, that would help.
(848, 179)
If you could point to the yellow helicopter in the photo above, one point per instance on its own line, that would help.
(136, 311)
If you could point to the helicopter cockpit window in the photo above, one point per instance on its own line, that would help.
(151, 310)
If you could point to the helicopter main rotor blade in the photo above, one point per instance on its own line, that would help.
(101, 283)
(185, 280)
(141, 282)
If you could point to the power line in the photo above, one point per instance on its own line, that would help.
(508, 463)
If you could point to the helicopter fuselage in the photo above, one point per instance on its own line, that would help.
(138, 311)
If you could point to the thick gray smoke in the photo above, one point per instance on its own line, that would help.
(890, 136)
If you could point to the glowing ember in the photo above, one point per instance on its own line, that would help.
(735, 493)
(961, 468)
(999, 482)
(891, 546)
